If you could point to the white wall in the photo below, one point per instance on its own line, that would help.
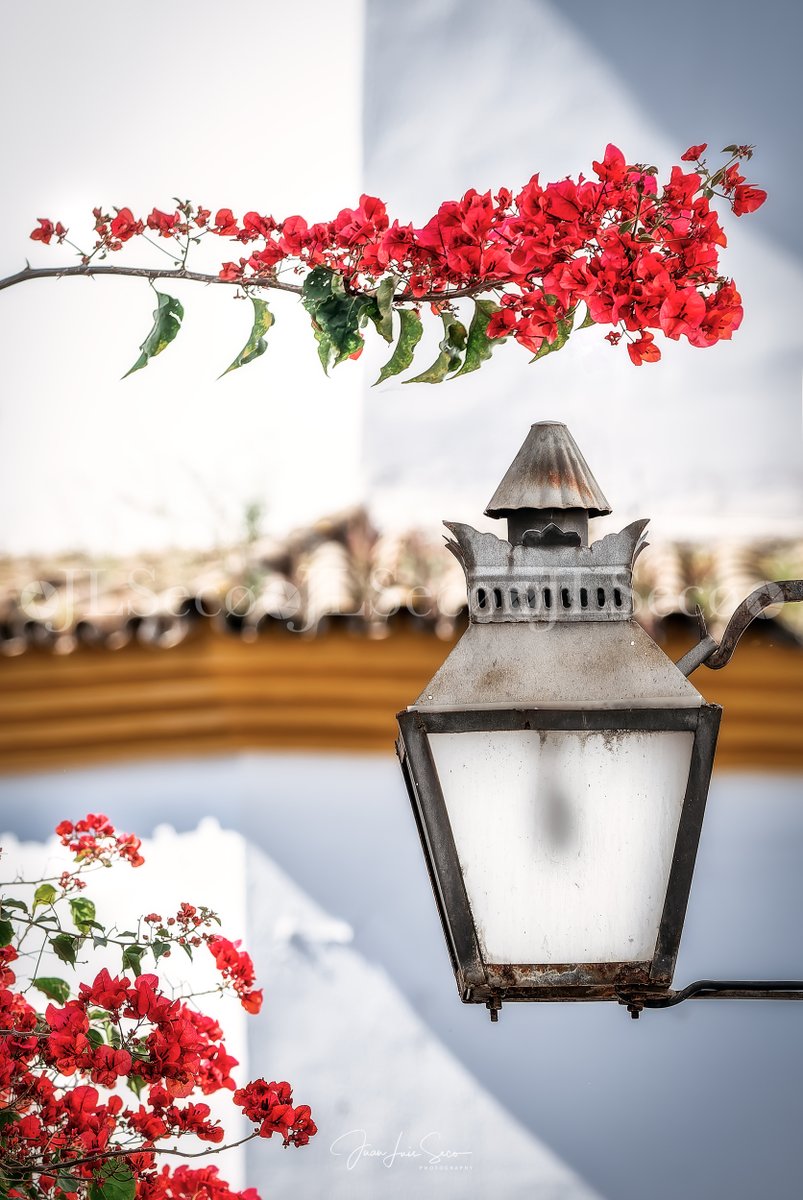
(252, 105)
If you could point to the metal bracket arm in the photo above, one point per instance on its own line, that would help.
(716, 989)
(718, 654)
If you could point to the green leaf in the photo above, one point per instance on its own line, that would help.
(336, 316)
(132, 958)
(65, 947)
(479, 346)
(18, 904)
(409, 337)
(83, 914)
(95, 1038)
(451, 347)
(256, 344)
(384, 303)
(587, 321)
(316, 288)
(159, 948)
(54, 989)
(544, 349)
(167, 318)
(45, 894)
(114, 1181)
(325, 347)
(136, 1083)
(340, 319)
(6, 932)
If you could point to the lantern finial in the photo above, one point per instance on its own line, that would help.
(548, 482)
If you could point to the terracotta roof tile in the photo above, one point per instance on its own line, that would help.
(340, 568)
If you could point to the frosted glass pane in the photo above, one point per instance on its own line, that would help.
(565, 839)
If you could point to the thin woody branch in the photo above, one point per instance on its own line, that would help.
(153, 273)
(121, 1152)
(149, 273)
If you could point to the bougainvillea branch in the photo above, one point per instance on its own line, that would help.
(68, 1131)
(618, 251)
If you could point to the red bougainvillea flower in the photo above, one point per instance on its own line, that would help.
(95, 838)
(731, 177)
(295, 235)
(266, 258)
(613, 168)
(723, 314)
(270, 1106)
(108, 1065)
(105, 992)
(237, 968)
(163, 223)
(8, 954)
(128, 848)
(124, 225)
(232, 271)
(225, 223)
(682, 312)
(694, 152)
(45, 231)
(747, 199)
(644, 350)
(255, 226)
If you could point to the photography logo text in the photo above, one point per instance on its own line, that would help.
(429, 1153)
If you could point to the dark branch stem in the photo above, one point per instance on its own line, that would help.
(149, 273)
(152, 273)
(105, 1155)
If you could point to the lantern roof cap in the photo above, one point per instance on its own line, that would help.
(549, 472)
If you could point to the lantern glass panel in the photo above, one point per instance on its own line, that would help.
(565, 838)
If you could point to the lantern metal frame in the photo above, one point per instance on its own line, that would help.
(491, 983)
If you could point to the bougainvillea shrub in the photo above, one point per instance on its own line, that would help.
(103, 1072)
(617, 249)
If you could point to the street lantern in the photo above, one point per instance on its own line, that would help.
(558, 762)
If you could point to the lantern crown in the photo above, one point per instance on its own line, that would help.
(550, 576)
(546, 570)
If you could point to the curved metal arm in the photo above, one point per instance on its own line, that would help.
(716, 989)
(718, 654)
